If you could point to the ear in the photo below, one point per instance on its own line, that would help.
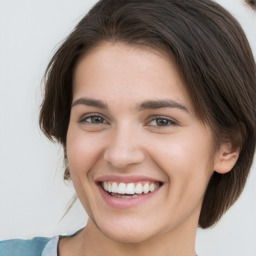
(225, 158)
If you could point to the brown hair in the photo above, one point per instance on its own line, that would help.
(215, 61)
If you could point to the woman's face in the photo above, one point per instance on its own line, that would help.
(139, 158)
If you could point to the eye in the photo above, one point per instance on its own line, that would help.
(162, 122)
(93, 119)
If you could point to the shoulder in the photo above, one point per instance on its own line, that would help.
(19, 247)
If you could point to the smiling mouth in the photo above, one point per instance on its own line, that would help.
(129, 190)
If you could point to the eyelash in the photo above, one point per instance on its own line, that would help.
(84, 119)
(167, 122)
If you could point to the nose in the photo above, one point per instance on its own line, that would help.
(124, 149)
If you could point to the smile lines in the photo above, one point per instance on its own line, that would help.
(129, 189)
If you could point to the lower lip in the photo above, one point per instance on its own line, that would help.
(125, 203)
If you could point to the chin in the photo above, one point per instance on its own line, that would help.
(130, 233)
(128, 238)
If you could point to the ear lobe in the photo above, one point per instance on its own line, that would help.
(225, 158)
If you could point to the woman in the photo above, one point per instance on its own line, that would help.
(153, 102)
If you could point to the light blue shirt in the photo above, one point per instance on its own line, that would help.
(38, 246)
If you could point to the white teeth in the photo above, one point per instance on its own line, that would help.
(124, 196)
(105, 186)
(139, 188)
(152, 187)
(146, 188)
(114, 188)
(121, 188)
(129, 188)
(109, 187)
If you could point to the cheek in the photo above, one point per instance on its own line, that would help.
(82, 150)
(187, 159)
(183, 152)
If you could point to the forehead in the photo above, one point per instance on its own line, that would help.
(128, 72)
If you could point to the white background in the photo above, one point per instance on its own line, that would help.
(33, 195)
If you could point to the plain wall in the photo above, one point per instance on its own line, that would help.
(33, 195)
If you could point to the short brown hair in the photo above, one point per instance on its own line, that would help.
(215, 61)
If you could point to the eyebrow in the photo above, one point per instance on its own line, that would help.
(156, 104)
(151, 104)
(90, 102)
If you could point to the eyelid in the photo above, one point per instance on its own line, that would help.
(90, 115)
(169, 119)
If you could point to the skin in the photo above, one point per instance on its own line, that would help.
(120, 134)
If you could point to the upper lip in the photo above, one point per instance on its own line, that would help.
(125, 178)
